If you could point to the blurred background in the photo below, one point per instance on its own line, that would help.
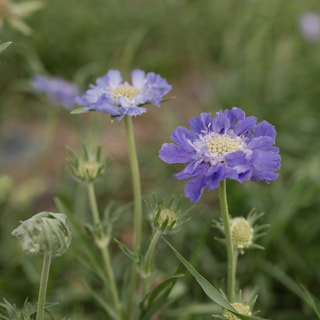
(260, 55)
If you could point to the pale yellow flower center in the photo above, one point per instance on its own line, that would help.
(125, 91)
(167, 214)
(240, 307)
(241, 232)
(222, 144)
(88, 168)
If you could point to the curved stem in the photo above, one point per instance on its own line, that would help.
(137, 207)
(104, 251)
(230, 248)
(43, 285)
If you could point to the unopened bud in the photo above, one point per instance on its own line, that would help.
(45, 232)
(242, 233)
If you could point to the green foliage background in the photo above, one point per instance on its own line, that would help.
(216, 54)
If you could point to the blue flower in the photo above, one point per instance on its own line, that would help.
(229, 146)
(309, 24)
(112, 95)
(57, 89)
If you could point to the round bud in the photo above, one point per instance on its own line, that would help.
(45, 232)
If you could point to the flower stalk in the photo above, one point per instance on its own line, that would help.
(137, 204)
(104, 250)
(43, 285)
(231, 252)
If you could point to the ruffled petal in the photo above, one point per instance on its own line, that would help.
(220, 123)
(244, 127)
(110, 81)
(183, 137)
(264, 164)
(171, 153)
(138, 78)
(202, 124)
(264, 128)
(192, 169)
(262, 143)
(194, 188)
(234, 114)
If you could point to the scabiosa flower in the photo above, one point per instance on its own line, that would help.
(57, 89)
(112, 95)
(229, 146)
(309, 24)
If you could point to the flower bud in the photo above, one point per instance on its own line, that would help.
(165, 218)
(240, 307)
(45, 232)
(86, 169)
(241, 233)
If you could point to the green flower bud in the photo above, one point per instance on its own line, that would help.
(85, 168)
(241, 233)
(240, 307)
(45, 232)
(167, 219)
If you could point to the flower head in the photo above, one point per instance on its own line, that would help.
(112, 95)
(167, 218)
(309, 24)
(45, 232)
(87, 168)
(57, 89)
(240, 307)
(229, 146)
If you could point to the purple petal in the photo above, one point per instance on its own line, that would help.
(138, 78)
(234, 114)
(183, 137)
(244, 126)
(194, 188)
(220, 123)
(110, 81)
(262, 143)
(171, 153)
(201, 124)
(264, 128)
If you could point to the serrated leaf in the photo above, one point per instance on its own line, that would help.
(208, 288)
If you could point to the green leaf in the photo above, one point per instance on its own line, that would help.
(209, 289)
(158, 297)
(4, 46)
(78, 111)
(129, 253)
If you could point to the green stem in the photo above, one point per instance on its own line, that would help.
(149, 257)
(230, 248)
(135, 181)
(137, 207)
(104, 251)
(43, 285)
(150, 251)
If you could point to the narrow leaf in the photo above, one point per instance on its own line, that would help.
(209, 289)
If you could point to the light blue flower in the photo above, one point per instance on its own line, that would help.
(57, 89)
(309, 24)
(112, 95)
(229, 146)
